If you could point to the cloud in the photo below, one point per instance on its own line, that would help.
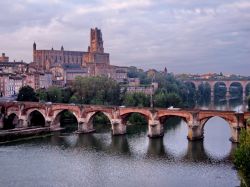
(186, 36)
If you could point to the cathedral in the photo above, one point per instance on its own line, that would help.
(94, 62)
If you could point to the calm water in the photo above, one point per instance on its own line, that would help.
(132, 160)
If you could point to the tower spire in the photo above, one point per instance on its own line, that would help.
(34, 46)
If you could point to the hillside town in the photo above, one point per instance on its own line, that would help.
(60, 67)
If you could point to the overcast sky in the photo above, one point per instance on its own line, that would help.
(191, 36)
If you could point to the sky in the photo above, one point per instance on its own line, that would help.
(186, 36)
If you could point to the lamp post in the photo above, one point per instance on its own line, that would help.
(151, 93)
(151, 96)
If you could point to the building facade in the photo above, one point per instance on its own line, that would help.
(94, 61)
(4, 58)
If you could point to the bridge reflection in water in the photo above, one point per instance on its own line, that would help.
(138, 144)
(119, 145)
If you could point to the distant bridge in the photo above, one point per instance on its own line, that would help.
(227, 83)
(21, 115)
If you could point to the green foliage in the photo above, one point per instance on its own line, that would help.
(73, 99)
(136, 99)
(100, 118)
(41, 94)
(160, 100)
(204, 93)
(170, 91)
(164, 100)
(66, 95)
(137, 119)
(26, 93)
(96, 90)
(54, 94)
(242, 154)
(173, 99)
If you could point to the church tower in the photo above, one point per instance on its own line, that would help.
(34, 46)
(96, 42)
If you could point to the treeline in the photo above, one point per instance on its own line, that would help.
(105, 91)
(89, 90)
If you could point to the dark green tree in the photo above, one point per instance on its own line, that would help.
(27, 93)
(137, 119)
(204, 93)
(42, 94)
(136, 99)
(54, 94)
(242, 156)
(66, 94)
(96, 90)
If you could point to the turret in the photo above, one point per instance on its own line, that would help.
(34, 46)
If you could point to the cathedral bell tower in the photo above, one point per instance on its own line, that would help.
(96, 42)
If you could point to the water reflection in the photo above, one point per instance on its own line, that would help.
(195, 152)
(119, 144)
(89, 141)
(173, 146)
(100, 159)
(156, 148)
(216, 137)
(237, 105)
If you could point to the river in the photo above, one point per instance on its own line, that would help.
(98, 159)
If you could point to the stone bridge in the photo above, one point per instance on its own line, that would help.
(21, 116)
(227, 83)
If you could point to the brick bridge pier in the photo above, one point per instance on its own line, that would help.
(21, 114)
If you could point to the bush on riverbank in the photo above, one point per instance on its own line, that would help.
(242, 156)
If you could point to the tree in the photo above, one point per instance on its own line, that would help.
(173, 99)
(242, 156)
(26, 93)
(66, 95)
(41, 94)
(136, 99)
(96, 90)
(137, 119)
(160, 100)
(54, 94)
(73, 99)
(204, 93)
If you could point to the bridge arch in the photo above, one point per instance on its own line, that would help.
(206, 119)
(91, 116)
(126, 116)
(236, 89)
(124, 113)
(217, 131)
(11, 121)
(220, 89)
(166, 114)
(247, 89)
(230, 119)
(164, 118)
(35, 118)
(65, 115)
(191, 84)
